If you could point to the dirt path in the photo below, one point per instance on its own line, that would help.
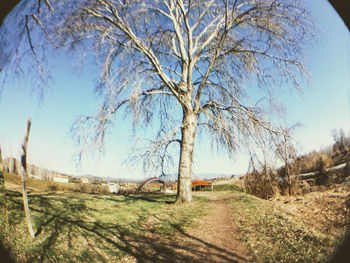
(215, 237)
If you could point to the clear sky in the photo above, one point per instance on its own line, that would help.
(324, 106)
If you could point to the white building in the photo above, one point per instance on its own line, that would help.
(113, 188)
(61, 179)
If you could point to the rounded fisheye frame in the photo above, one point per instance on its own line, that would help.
(5, 7)
(341, 254)
(342, 7)
(5, 255)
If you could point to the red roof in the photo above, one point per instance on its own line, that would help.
(200, 182)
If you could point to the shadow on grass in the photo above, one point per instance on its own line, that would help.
(68, 231)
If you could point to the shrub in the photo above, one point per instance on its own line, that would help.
(260, 185)
(323, 163)
(298, 187)
(53, 187)
(323, 176)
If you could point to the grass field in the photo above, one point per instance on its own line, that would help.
(78, 227)
(84, 227)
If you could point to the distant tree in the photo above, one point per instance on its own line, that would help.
(190, 65)
(339, 140)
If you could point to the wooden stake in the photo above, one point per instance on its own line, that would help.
(24, 178)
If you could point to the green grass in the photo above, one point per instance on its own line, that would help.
(81, 227)
(78, 227)
(226, 187)
(274, 236)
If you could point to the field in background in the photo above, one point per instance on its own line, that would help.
(13, 182)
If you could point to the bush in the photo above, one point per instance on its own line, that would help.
(323, 177)
(298, 187)
(53, 187)
(260, 185)
(323, 163)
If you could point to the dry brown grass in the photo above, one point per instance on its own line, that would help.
(325, 208)
(266, 187)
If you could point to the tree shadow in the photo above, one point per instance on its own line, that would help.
(149, 197)
(67, 225)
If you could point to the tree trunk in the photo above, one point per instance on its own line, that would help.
(188, 133)
(24, 179)
(289, 180)
(1, 168)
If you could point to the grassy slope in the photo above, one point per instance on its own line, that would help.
(54, 186)
(274, 236)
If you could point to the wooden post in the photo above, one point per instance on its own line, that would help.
(1, 168)
(2, 184)
(23, 173)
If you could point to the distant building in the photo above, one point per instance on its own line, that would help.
(61, 178)
(39, 177)
(113, 188)
(84, 180)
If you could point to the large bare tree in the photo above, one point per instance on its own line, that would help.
(190, 65)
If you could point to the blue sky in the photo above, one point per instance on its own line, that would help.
(324, 106)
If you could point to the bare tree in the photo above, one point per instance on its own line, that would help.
(339, 140)
(24, 178)
(2, 183)
(190, 64)
(286, 152)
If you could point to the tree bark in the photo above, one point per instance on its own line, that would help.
(2, 183)
(188, 133)
(24, 178)
(1, 166)
(289, 179)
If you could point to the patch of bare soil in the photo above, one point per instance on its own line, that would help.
(215, 237)
(325, 208)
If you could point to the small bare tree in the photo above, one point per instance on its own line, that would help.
(339, 140)
(189, 65)
(2, 182)
(286, 152)
(24, 178)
